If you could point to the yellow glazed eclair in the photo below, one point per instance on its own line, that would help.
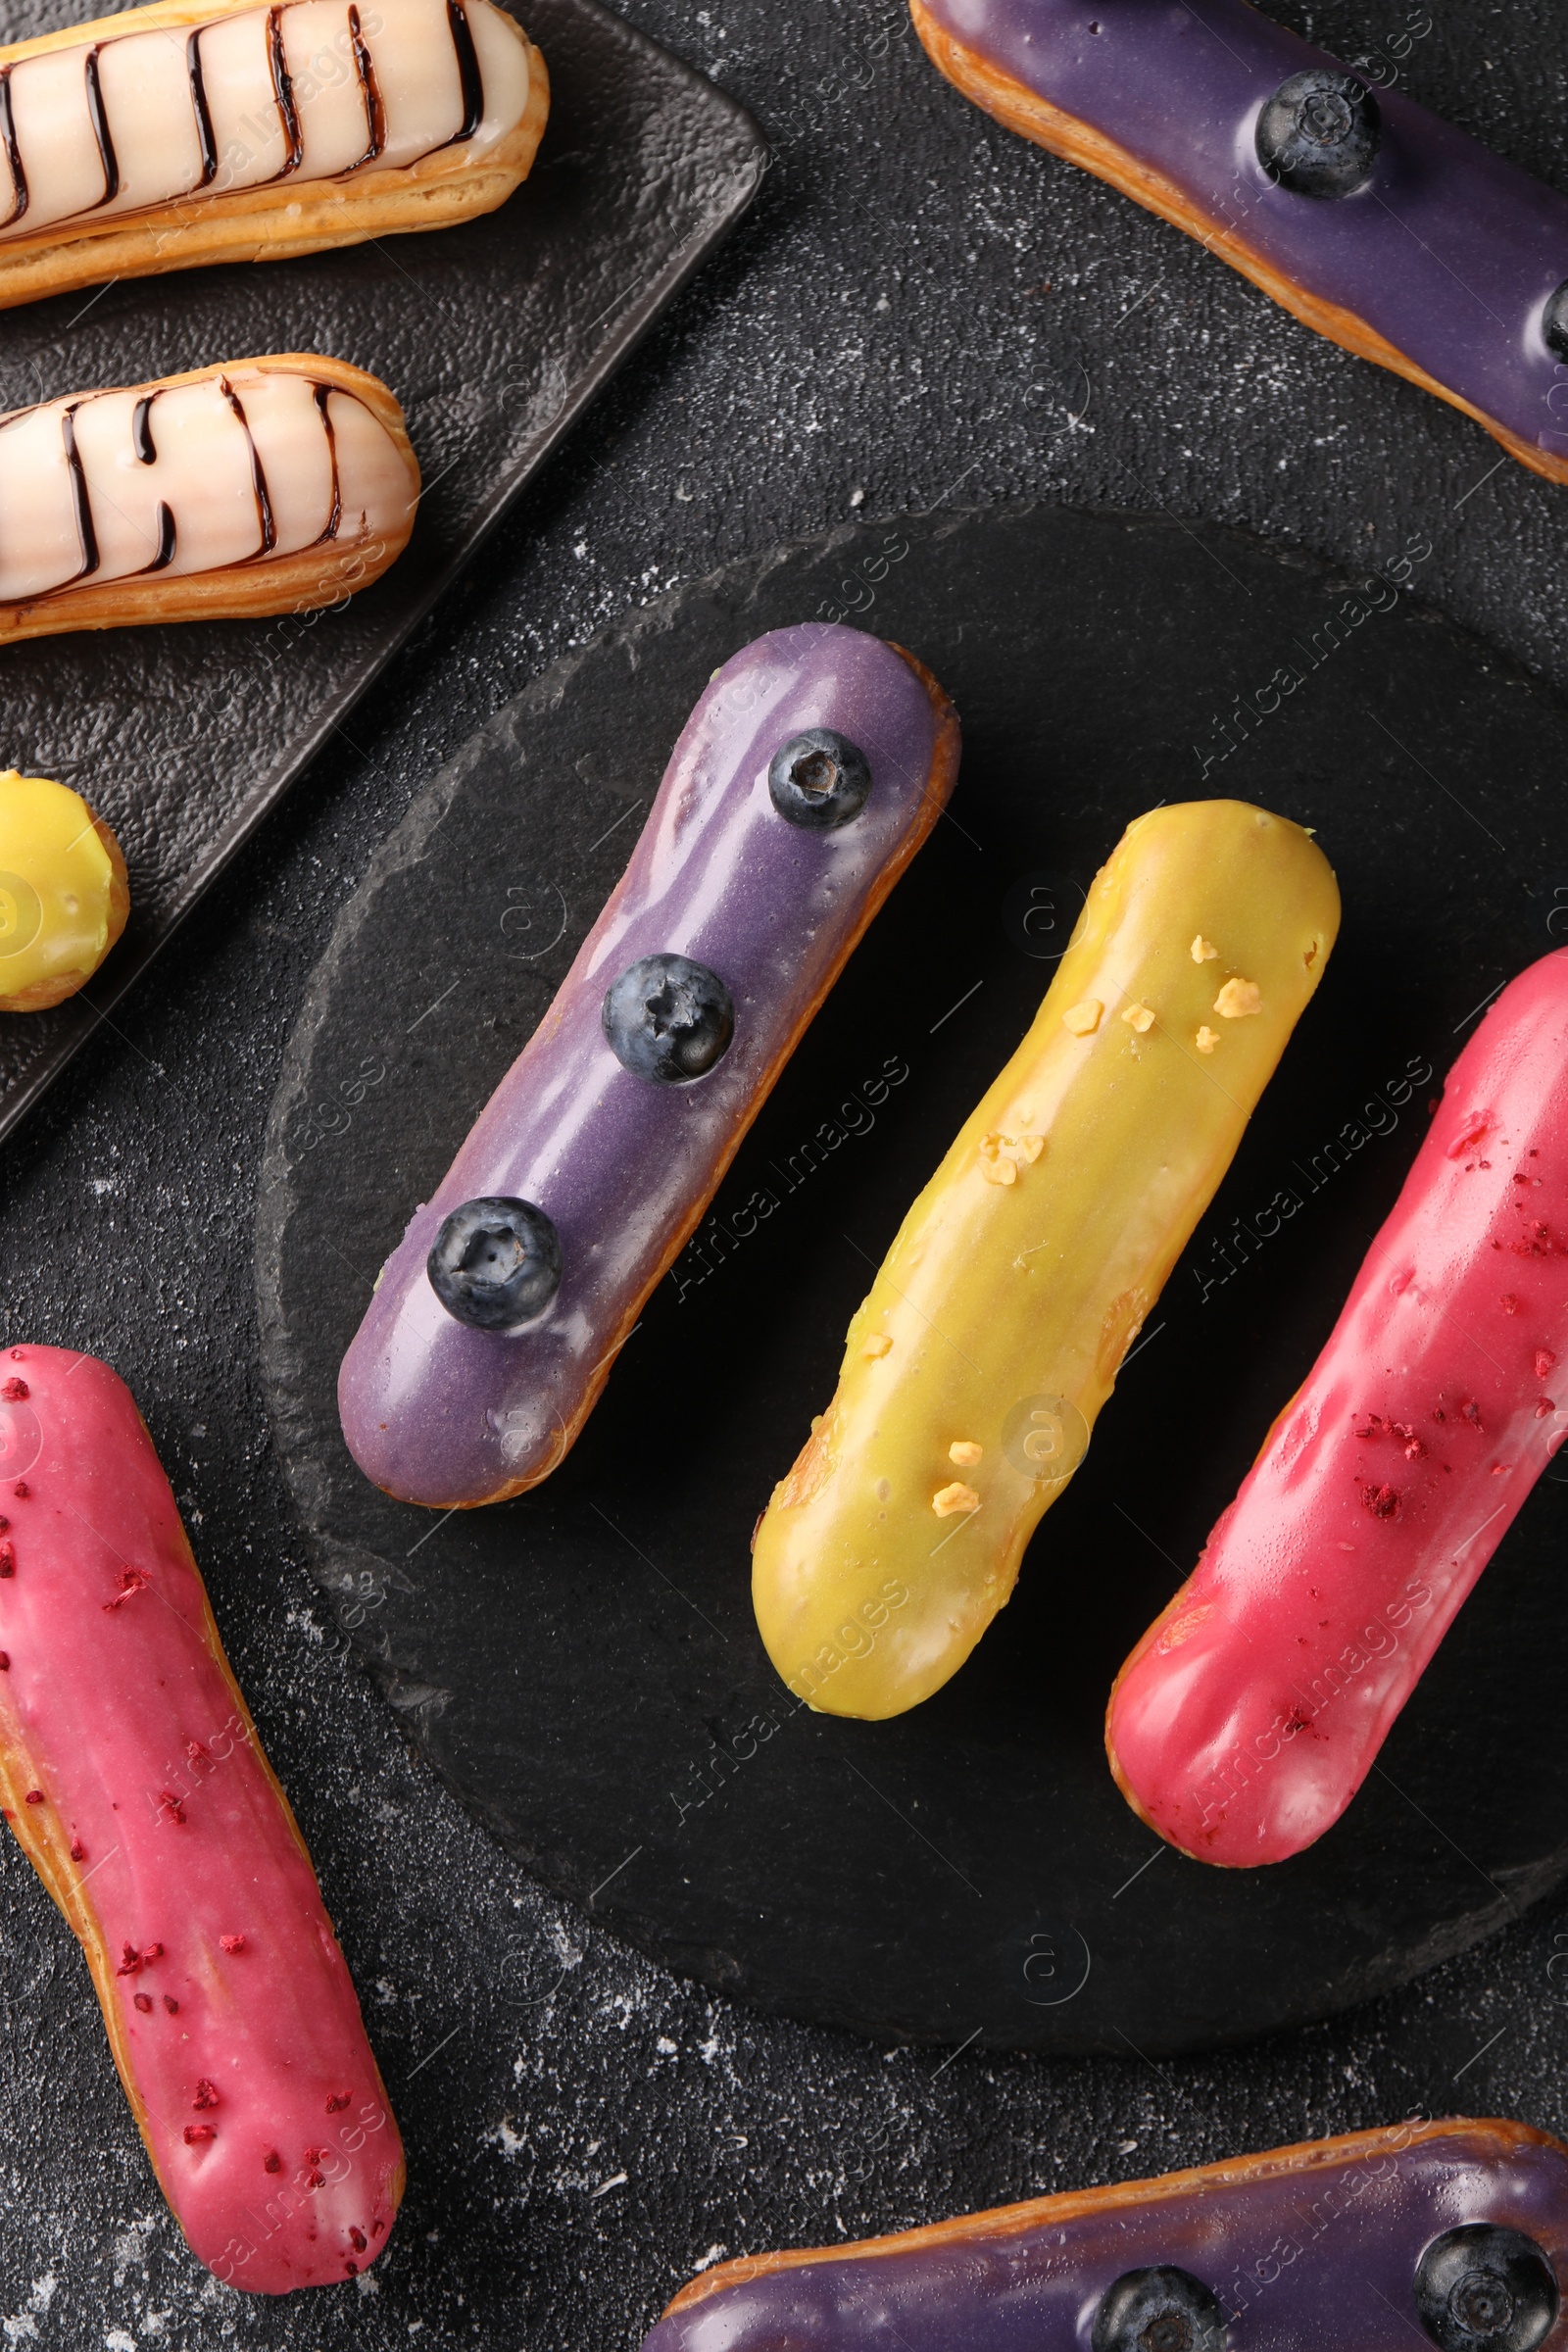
(64, 897)
(269, 485)
(1018, 1281)
(195, 132)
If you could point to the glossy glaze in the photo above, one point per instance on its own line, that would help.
(440, 1413)
(974, 1370)
(1252, 1711)
(133, 1775)
(1308, 2249)
(1450, 254)
(121, 122)
(63, 894)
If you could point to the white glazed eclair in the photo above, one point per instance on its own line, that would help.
(192, 132)
(261, 487)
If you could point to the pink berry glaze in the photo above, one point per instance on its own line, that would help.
(131, 1772)
(1249, 1714)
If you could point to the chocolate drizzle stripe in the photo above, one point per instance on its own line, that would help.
(79, 499)
(165, 537)
(200, 108)
(100, 130)
(321, 393)
(141, 432)
(263, 504)
(8, 136)
(469, 73)
(283, 92)
(375, 111)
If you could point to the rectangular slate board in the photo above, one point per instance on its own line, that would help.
(494, 336)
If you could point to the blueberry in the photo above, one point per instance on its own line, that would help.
(669, 1019)
(1554, 323)
(496, 1265)
(1320, 132)
(819, 780)
(1160, 2310)
(1485, 2290)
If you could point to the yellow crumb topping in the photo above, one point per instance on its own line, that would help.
(947, 1501)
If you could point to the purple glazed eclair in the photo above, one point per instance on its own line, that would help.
(1381, 226)
(804, 782)
(1452, 2232)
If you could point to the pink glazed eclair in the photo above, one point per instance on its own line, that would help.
(1254, 1708)
(133, 1775)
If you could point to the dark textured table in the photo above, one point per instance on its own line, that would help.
(922, 311)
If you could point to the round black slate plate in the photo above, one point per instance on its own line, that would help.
(581, 1665)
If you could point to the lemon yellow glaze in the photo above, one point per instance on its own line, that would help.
(994, 1332)
(64, 899)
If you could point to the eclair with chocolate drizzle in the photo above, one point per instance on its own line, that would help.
(192, 132)
(268, 485)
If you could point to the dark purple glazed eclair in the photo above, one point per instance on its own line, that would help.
(809, 775)
(1384, 229)
(1452, 2232)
